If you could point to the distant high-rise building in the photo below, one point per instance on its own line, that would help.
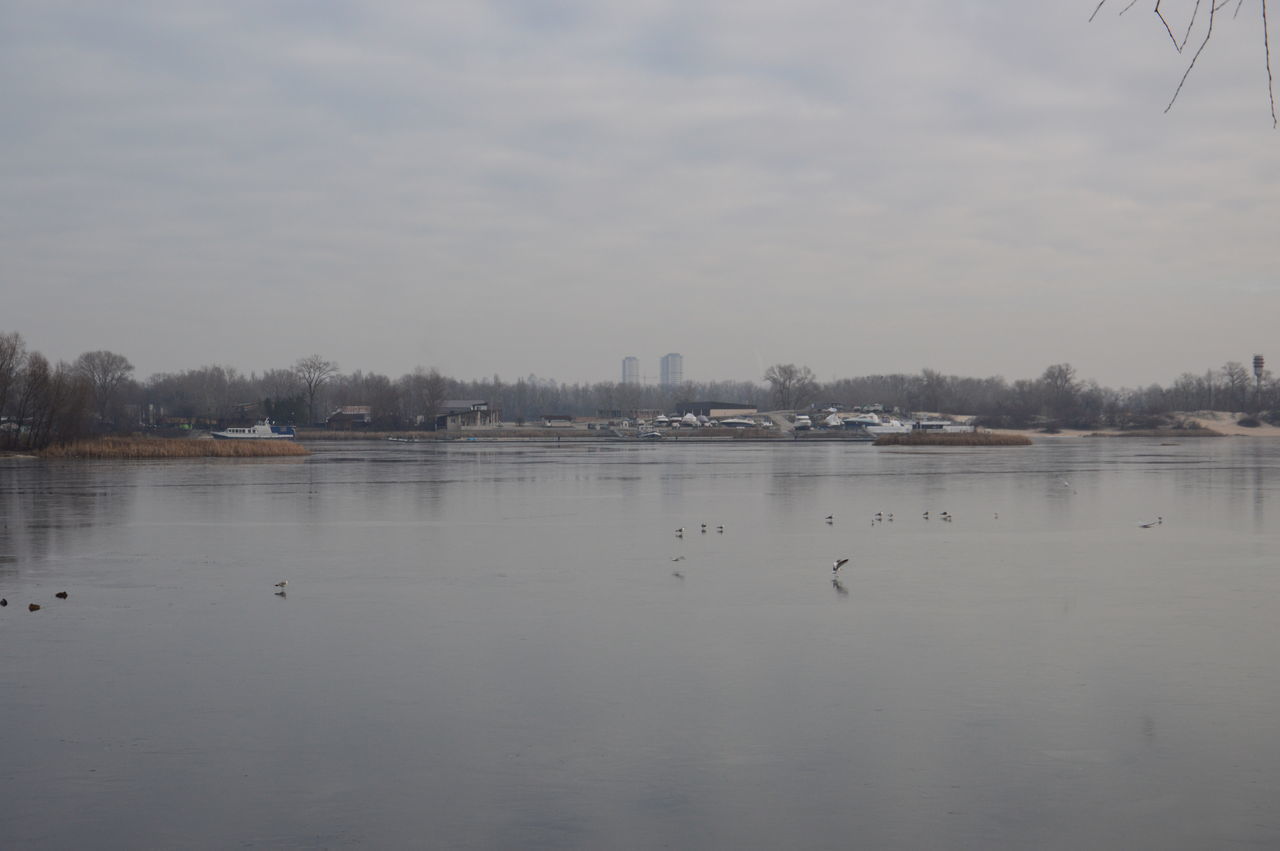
(672, 370)
(631, 370)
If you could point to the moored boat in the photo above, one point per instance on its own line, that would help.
(263, 430)
(890, 426)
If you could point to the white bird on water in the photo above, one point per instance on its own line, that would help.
(1157, 522)
(835, 568)
(282, 583)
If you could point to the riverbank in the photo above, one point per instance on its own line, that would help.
(935, 438)
(1189, 425)
(132, 448)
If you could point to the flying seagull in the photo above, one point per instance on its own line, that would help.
(840, 562)
(1150, 523)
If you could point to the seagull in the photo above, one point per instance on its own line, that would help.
(61, 595)
(720, 529)
(282, 583)
(678, 558)
(889, 517)
(835, 568)
(831, 518)
(926, 515)
(1150, 523)
(946, 515)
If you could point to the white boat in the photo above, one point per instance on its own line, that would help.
(738, 422)
(802, 422)
(890, 426)
(260, 431)
(944, 426)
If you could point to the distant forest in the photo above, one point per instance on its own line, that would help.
(42, 402)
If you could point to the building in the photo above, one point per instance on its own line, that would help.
(716, 410)
(350, 416)
(631, 370)
(466, 413)
(672, 370)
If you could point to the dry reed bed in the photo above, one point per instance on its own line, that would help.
(977, 438)
(160, 447)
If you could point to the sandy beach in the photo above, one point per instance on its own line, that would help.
(1222, 422)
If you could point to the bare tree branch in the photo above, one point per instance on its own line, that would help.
(1179, 45)
(1266, 47)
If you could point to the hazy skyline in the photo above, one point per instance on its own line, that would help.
(546, 187)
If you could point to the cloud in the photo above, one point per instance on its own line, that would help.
(859, 188)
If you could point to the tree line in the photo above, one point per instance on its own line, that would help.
(42, 402)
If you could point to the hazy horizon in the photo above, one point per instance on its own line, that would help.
(516, 188)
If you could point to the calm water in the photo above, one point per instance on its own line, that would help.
(484, 646)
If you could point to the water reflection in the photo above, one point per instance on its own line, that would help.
(495, 646)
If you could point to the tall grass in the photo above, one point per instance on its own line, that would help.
(160, 447)
(976, 438)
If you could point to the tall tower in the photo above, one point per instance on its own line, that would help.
(631, 370)
(672, 370)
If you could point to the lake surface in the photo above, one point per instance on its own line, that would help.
(487, 646)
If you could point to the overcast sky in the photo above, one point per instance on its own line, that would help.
(547, 186)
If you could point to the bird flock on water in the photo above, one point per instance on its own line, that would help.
(63, 595)
(881, 517)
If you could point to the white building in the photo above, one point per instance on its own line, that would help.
(631, 370)
(672, 370)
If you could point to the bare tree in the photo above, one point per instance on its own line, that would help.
(314, 372)
(792, 385)
(107, 374)
(1206, 12)
(1061, 390)
(13, 357)
(1236, 380)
